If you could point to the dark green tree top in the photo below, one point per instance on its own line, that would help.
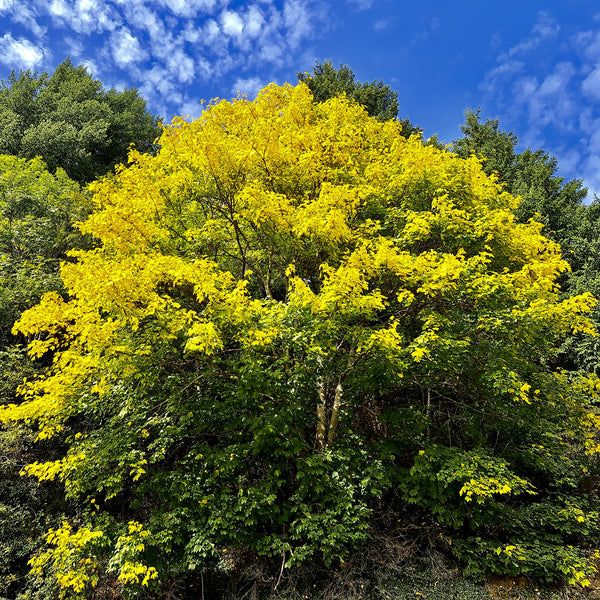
(488, 141)
(72, 122)
(379, 99)
(532, 175)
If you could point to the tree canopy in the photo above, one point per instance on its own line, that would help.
(530, 175)
(558, 204)
(37, 212)
(379, 99)
(295, 320)
(72, 122)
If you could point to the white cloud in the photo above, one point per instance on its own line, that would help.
(164, 45)
(126, 48)
(75, 45)
(591, 85)
(191, 8)
(271, 53)
(164, 94)
(495, 78)
(257, 34)
(550, 102)
(544, 28)
(558, 80)
(159, 79)
(92, 67)
(588, 43)
(570, 159)
(191, 108)
(383, 24)
(20, 52)
(545, 102)
(212, 35)
(191, 32)
(544, 105)
(547, 87)
(178, 63)
(253, 21)
(58, 8)
(93, 15)
(139, 16)
(593, 143)
(231, 23)
(298, 20)
(248, 87)
(523, 88)
(24, 14)
(83, 16)
(203, 67)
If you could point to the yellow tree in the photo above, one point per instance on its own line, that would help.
(294, 312)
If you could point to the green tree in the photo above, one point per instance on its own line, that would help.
(297, 320)
(488, 141)
(531, 175)
(72, 122)
(379, 99)
(37, 212)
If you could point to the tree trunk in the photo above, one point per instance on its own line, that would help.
(335, 413)
(321, 414)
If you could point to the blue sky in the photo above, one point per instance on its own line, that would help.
(533, 65)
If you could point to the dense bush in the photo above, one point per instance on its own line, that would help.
(296, 320)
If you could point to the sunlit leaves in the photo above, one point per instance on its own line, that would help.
(286, 305)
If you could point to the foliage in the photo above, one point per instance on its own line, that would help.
(72, 122)
(37, 210)
(379, 100)
(531, 175)
(294, 316)
(25, 509)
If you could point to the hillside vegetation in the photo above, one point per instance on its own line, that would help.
(297, 351)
